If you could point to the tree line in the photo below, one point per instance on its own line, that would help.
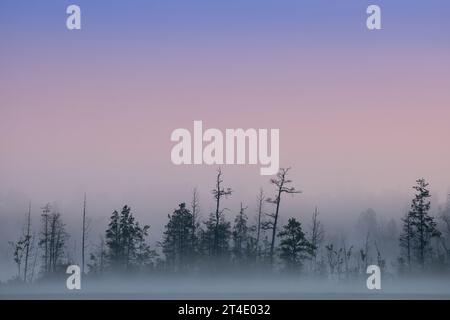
(190, 245)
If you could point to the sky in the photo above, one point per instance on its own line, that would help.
(362, 114)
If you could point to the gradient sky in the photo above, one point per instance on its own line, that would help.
(362, 114)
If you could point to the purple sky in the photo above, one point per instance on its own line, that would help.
(361, 114)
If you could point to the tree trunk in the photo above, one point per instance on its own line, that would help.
(83, 236)
(27, 251)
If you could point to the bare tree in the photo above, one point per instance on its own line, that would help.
(45, 235)
(260, 203)
(281, 182)
(364, 253)
(27, 244)
(218, 193)
(53, 240)
(21, 248)
(195, 205)
(317, 235)
(83, 238)
(347, 257)
(35, 257)
(335, 260)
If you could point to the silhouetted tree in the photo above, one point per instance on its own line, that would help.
(45, 239)
(84, 232)
(143, 254)
(281, 183)
(215, 236)
(335, 259)
(215, 240)
(114, 241)
(19, 250)
(424, 226)
(444, 216)
(53, 240)
(57, 242)
(294, 247)
(124, 240)
(195, 208)
(22, 248)
(406, 241)
(97, 264)
(259, 222)
(380, 261)
(27, 243)
(243, 243)
(316, 236)
(179, 239)
(364, 253)
(347, 259)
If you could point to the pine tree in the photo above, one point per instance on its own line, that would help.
(19, 248)
(294, 246)
(240, 237)
(406, 239)
(215, 239)
(444, 216)
(422, 223)
(125, 241)
(144, 255)
(114, 241)
(179, 239)
(128, 232)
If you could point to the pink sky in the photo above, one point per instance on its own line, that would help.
(354, 122)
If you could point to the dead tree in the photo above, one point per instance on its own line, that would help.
(27, 244)
(218, 193)
(35, 257)
(281, 183)
(195, 205)
(83, 238)
(317, 235)
(364, 253)
(347, 257)
(335, 260)
(260, 203)
(45, 236)
(53, 240)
